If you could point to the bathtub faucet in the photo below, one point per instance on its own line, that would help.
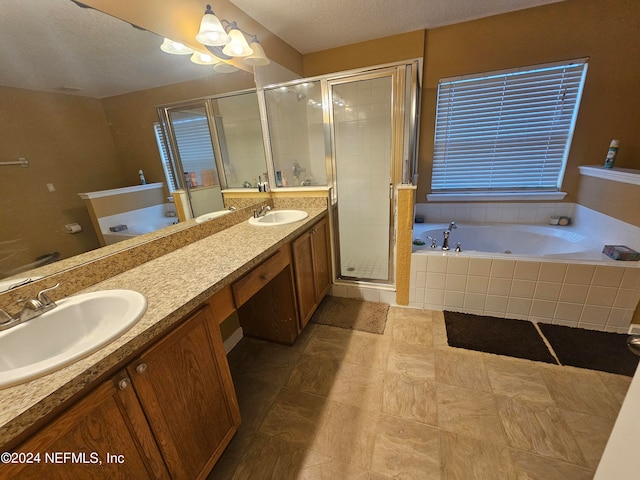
(446, 233)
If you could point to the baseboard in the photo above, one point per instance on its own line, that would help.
(233, 340)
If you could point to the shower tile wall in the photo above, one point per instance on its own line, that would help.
(363, 149)
(595, 297)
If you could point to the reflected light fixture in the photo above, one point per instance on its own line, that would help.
(175, 48)
(204, 59)
(225, 41)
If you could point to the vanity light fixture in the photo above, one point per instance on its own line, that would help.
(225, 41)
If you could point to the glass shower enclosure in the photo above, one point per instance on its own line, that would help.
(355, 133)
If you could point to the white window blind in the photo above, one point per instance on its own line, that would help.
(506, 131)
(194, 145)
(165, 157)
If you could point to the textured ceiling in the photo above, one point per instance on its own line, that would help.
(310, 26)
(54, 45)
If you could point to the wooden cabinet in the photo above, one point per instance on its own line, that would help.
(312, 269)
(266, 301)
(169, 414)
(186, 392)
(107, 433)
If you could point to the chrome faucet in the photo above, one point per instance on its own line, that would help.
(262, 212)
(31, 308)
(446, 233)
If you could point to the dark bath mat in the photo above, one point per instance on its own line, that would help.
(502, 336)
(352, 314)
(578, 347)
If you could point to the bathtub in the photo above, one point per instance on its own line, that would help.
(137, 229)
(544, 273)
(513, 239)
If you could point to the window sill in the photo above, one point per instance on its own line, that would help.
(624, 175)
(487, 197)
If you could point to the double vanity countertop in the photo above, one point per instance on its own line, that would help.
(174, 285)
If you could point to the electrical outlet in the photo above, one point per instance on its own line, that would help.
(51, 187)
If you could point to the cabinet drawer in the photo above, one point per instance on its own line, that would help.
(253, 281)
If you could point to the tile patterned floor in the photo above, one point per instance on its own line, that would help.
(343, 405)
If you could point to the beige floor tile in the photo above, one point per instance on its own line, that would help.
(413, 331)
(468, 412)
(580, 391)
(294, 417)
(368, 349)
(534, 467)
(617, 384)
(462, 368)
(328, 341)
(270, 458)
(314, 374)
(414, 360)
(321, 467)
(408, 397)
(539, 429)
(359, 386)
(255, 397)
(405, 449)
(518, 379)
(465, 458)
(439, 332)
(345, 433)
(270, 363)
(590, 432)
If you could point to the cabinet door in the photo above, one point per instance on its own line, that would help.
(321, 259)
(103, 436)
(302, 251)
(184, 387)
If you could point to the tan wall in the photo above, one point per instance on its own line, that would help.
(405, 46)
(125, 202)
(618, 200)
(131, 118)
(67, 142)
(604, 31)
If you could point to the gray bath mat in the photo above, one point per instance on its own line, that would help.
(352, 314)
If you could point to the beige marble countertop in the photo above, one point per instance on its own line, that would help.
(174, 285)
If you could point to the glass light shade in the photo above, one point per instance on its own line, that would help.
(175, 48)
(211, 30)
(204, 59)
(258, 58)
(238, 46)
(225, 68)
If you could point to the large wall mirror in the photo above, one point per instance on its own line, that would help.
(78, 97)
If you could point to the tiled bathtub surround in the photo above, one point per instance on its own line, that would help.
(598, 297)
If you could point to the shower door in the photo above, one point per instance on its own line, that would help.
(363, 144)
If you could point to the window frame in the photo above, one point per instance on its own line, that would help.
(482, 193)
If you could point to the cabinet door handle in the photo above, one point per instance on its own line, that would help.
(141, 368)
(124, 383)
(264, 276)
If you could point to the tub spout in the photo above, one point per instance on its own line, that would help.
(445, 244)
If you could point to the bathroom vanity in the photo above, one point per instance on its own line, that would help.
(159, 401)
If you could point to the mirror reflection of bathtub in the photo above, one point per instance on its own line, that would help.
(122, 213)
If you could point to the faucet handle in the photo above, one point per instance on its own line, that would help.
(44, 298)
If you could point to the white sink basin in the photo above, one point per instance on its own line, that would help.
(211, 215)
(279, 217)
(77, 327)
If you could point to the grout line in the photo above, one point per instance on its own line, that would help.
(546, 342)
